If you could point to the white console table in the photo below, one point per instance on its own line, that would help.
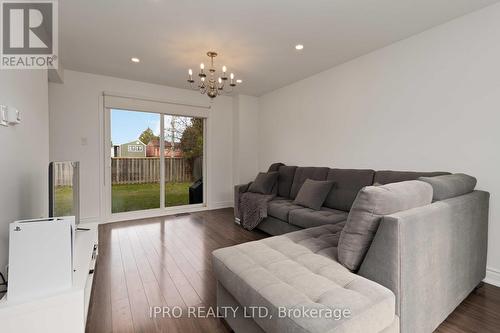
(63, 312)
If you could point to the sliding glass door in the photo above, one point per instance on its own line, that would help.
(156, 160)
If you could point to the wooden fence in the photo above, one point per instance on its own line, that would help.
(63, 174)
(147, 170)
(138, 171)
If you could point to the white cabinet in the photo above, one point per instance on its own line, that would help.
(64, 311)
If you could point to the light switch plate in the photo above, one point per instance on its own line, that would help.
(3, 115)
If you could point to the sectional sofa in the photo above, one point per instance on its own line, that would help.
(426, 255)
(284, 216)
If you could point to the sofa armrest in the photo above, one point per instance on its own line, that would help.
(431, 257)
(238, 190)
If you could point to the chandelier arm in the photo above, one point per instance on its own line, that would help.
(193, 87)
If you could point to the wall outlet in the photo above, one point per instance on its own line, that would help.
(3, 115)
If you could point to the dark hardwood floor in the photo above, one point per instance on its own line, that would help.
(166, 262)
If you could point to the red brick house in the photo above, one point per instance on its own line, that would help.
(153, 149)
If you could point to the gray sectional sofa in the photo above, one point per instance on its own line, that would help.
(284, 216)
(426, 253)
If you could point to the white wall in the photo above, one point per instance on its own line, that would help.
(246, 141)
(74, 115)
(430, 102)
(25, 151)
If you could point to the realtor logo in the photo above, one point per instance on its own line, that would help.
(29, 35)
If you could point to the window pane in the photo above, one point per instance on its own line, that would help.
(183, 160)
(135, 174)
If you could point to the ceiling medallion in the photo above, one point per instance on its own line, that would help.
(212, 83)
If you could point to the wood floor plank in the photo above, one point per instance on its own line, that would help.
(184, 257)
(167, 262)
(139, 305)
(122, 316)
(170, 260)
(152, 289)
(167, 286)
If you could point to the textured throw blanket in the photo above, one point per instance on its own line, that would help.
(253, 208)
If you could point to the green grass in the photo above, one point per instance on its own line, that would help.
(64, 201)
(130, 197)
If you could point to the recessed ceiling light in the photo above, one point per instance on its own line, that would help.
(134, 59)
(299, 47)
(239, 81)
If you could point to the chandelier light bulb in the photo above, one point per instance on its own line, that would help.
(239, 81)
(190, 72)
(224, 69)
(232, 76)
(202, 66)
(220, 80)
(203, 79)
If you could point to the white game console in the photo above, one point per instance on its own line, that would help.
(40, 257)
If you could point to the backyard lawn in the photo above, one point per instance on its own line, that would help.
(63, 201)
(130, 197)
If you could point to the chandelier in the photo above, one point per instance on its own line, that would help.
(211, 83)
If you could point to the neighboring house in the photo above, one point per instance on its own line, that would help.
(153, 149)
(133, 149)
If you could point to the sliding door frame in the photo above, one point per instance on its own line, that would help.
(106, 193)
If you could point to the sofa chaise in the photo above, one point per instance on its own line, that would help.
(427, 253)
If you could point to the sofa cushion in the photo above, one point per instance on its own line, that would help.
(285, 180)
(388, 176)
(303, 173)
(263, 183)
(347, 183)
(280, 208)
(313, 193)
(450, 186)
(371, 203)
(299, 271)
(308, 218)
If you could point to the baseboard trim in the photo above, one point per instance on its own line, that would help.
(138, 215)
(222, 204)
(492, 276)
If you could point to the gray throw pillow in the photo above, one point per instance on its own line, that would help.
(313, 193)
(450, 186)
(371, 204)
(264, 182)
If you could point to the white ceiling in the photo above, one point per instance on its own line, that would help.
(255, 38)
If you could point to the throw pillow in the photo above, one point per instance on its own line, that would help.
(450, 186)
(313, 193)
(264, 182)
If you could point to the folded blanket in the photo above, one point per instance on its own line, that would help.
(253, 208)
